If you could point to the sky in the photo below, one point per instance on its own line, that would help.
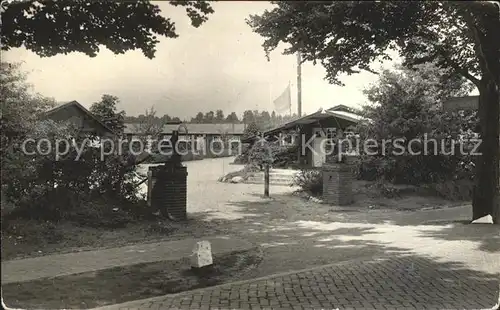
(220, 65)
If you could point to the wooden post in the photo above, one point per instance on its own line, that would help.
(266, 181)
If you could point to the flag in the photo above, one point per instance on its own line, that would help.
(283, 103)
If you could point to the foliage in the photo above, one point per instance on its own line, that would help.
(461, 190)
(38, 182)
(106, 111)
(157, 120)
(251, 130)
(44, 187)
(219, 116)
(330, 30)
(150, 130)
(77, 26)
(242, 159)
(261, 154)
(309, 180)
(406, 105)
(263, 119)
(17, 119)
(348, 36)
(19, 113)
(232, 118)
(286, 156)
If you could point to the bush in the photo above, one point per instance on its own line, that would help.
(286, 156)
(458, 190)
(260, 155)
(310, 180)
(407, 106)
(44, 187)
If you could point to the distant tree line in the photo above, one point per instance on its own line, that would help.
(263, 119)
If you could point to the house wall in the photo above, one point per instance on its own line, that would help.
(307, 160)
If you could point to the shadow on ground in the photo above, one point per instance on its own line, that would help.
(428, 258)
(297, 234)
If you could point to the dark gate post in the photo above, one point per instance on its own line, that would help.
(266, 181)
(169, 192)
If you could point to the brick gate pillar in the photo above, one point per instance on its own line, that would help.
(168, 192)
(337, 183)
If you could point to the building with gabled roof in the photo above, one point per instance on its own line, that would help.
(78, 115)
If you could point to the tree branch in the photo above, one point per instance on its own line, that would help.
(478, 41)
(455, 66)
(463, 72)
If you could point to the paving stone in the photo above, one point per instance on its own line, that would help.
(357, 285)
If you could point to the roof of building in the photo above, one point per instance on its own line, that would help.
(342, 107)
(86, 112)
(339, 111)
(231, 129)
(353, 117)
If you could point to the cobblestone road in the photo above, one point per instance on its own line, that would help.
(396, 283)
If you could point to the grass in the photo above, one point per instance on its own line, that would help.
(122, 284)
(31, 238)
(371, 195)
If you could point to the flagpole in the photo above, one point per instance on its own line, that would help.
(299, 101)
(270, 94)
(290, 97)
(299, 83)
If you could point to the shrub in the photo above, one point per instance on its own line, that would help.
(406, 106)
(242, 159)
(42, 186)
(285, 156)
(45, 188)
(310, 180)
(260, 155)
(459, 190)
(251, 130)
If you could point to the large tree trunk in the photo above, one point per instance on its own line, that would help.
(487, 190)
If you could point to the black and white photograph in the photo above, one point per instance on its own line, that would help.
(227, 155)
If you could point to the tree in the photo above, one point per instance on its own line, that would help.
(347, 37)
(219, 116)
(77, 25)
(199, 118)
(28, 180)
(265, 119)
(19, 114)
(248, 117)
(20, 107)
(150, 130)
(232, 118)
(251, 130)
(165, 118)
(106, 111)
(407, 105)
(209, 117)
(176, 119)
(274, 119)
